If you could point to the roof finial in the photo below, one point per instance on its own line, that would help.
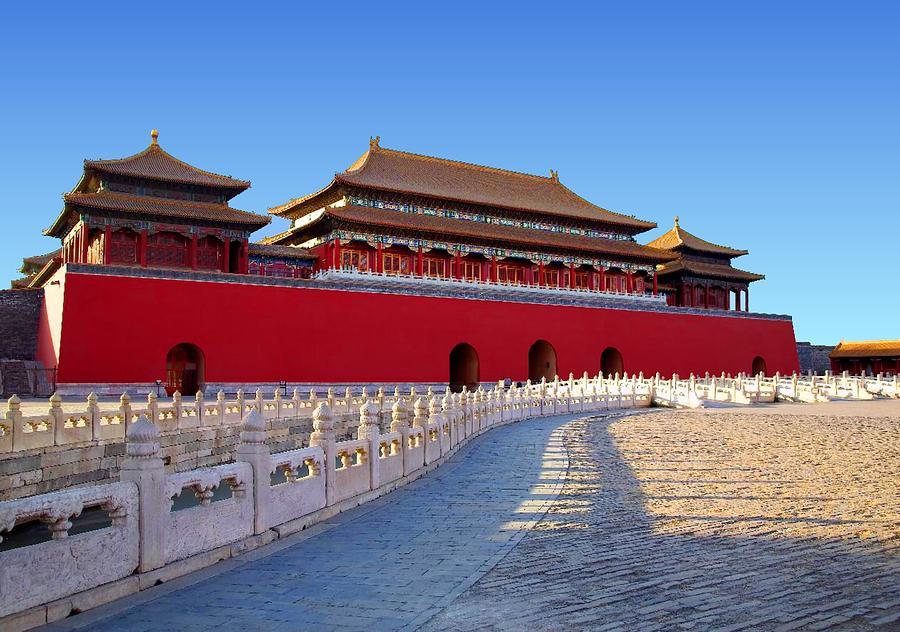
(554, 175)
(154, 137)
(373, 142)
(676, 221)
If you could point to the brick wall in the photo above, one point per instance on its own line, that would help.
(813, 357)
(19, 313)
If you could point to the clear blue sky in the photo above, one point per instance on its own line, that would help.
(766, 126)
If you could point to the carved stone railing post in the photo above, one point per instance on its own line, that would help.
(57, 419)
(240, 402)
(400, 423)
(323, 436)
(259, 402)
(152, 407)
(14, 418)
(330, 395)
(369, 431)
(253, 450)
(295, 399)
(176, 406)
(93, 411)
(143, 466)
(277, 399)
(199, 403)
(125, 411)
(220, 408)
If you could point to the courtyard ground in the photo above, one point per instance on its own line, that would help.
(772, 518)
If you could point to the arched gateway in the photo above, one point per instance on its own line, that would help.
(611, 362)
(541, 361)
(184, 369)
(463, 367)
(759, 366)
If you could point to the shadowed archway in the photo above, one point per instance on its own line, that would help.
(611, 362)
(464, 370)
(541, 361)
(185, 369)
(759, 366)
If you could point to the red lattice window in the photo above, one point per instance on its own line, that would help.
(168, 250)
(434, 267)
(616, 283)
(396, 264)
(470, 270)
(510, 274)
(123, 247)
(551, 278)
(210, 253)
(581, 280)
(355, 260)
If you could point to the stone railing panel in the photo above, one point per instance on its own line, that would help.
(352, 476)
(210, 524)
(390, 457)
(298, 496)
(68, 564)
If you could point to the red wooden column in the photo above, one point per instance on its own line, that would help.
(84, 243)
(336, 251)
(494, 268)
(420, 262)
(458, 274)
(747, 300)
(226, 260)
(379, 257)
(541, 273)
(245, 259)
(629, 283)
(572, 275)
(655, 283)
(706, 297)
(602, 279)
(193, 251)
(107, 245)
(737, 300)
(142, 248)
(591, 279)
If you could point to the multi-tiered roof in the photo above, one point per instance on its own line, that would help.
(389, 190)
(153, 184)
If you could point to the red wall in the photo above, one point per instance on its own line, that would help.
(119, 329)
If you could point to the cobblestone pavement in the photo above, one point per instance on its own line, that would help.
(389, 564)
(772, 519)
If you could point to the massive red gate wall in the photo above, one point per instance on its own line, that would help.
(119, 329)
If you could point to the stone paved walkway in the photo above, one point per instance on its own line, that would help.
(710, 520)
(780, 518)
(387, 565)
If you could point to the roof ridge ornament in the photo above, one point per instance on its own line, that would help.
(373, 142)
(154, 137)
(554, 175)
(676, 221)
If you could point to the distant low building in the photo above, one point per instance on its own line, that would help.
(869, 356)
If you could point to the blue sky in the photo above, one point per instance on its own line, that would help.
(766, 126)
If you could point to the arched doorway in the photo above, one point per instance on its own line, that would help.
(541, 361)
(611, 362)
(184, 369)
(759, 366)
(463, 367)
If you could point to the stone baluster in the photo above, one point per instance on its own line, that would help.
(125, 411)
(329, 394)
(323, 437)
(93, 411)
(259, 402)
(199, 403)
(57, 419)
(252, 449)
(220, 407)
(14, 419)
(240, 402)
(277, 398)
(713, 396)
(144, 467)
(368, 431)
(176, 406)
